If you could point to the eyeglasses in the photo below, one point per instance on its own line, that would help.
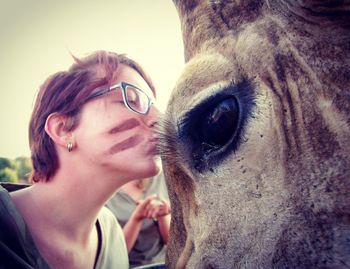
(134, 98)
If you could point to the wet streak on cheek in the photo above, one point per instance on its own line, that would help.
(126, 144)
(124, 126)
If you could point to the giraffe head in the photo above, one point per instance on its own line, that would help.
(257, 136)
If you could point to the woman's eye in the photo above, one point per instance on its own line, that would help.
(117, 97)
(132, 96)
(120, 100)
(218, 125)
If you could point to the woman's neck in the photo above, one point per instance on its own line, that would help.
(67, 203)
(66, 209)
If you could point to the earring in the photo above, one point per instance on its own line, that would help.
(70, 146)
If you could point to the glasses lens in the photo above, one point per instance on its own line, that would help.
(137, 99)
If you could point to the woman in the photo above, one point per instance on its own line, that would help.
(91, 131)
(142, 208)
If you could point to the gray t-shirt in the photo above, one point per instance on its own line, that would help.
(149, 244)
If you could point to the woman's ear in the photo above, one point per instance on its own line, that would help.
(55, 127)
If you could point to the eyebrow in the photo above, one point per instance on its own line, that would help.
(100, 91)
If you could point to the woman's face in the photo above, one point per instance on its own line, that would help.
(112, 137)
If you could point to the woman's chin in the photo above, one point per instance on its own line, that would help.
(156, 166)
(149, 169)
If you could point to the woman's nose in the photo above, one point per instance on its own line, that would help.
(152, 116)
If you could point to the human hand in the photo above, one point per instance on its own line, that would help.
(159, 208)
(152, 208)
(143, 208)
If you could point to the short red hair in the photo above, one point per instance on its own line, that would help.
(65, 92)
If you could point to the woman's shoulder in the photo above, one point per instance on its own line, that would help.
(17, 247)
(108, 224)
(106, 218)
(7, 206)
(7, 186)
(113, 250)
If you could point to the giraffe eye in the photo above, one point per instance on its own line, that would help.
(219, 123)
(214, 128)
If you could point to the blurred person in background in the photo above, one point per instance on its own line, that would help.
(142, 208)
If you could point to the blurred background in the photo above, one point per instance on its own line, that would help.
(37, 37)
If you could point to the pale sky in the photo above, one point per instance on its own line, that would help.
(37, 37)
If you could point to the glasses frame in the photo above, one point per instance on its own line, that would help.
(123, 86)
